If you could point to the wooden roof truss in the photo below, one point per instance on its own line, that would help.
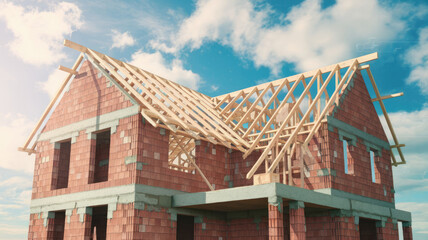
(269, 117)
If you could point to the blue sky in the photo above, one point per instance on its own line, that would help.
(215, 47)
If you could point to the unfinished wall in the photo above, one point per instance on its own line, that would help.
(153, 159)
(90, 94)
(332, 227)
(357, 110)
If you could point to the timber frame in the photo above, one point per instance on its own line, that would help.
(268, 117)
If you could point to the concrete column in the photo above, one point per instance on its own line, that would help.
(297, 220)
(407, 231)
(276, 218)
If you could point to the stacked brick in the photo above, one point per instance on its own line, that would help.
(78, 225)
(297, 223)
(276, 222)
(357, 110)
(248, 228)
(387, 230)
(210, 229)
(331, 227)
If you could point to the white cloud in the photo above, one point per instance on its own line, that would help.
(419, 215)
(55, 79)
(409, 126)
(214, 88)
(174, 71)
(122, 40)
(8, 229)
(417, 58)
(38, 34)
(16, 181)
(15, 129)
(308, 36)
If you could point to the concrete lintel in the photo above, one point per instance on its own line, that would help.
(224, 195)
(407, 224)
(401, 215)
(120, 194)
(110, 124)
(351, 130)
(309, 196)
(339, 193)
(71, 130)
(351, 138)
(370, 208)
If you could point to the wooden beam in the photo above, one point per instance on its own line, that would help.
(385, 114)
(52, 102)
(344, 64)
(197, 168)
(68, 70)
(29, 151)
(388, 96)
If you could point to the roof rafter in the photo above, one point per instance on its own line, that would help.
(266, 117)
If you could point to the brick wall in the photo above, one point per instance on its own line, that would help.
(358, 111)
(211, 229)
(81, 171)
(248, 228)
(87, 97)
(387, 230)
(329, 227)
(153, 155)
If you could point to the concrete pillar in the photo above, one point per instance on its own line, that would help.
(407, 231)
(297, 220)
(276, 218)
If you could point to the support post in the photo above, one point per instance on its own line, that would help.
(407, 231)
(276, 218)
(297, 220)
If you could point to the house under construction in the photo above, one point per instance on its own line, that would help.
(122, 153)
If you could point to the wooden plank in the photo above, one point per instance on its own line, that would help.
(388, 96)
(68, 70)
(52, 103)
